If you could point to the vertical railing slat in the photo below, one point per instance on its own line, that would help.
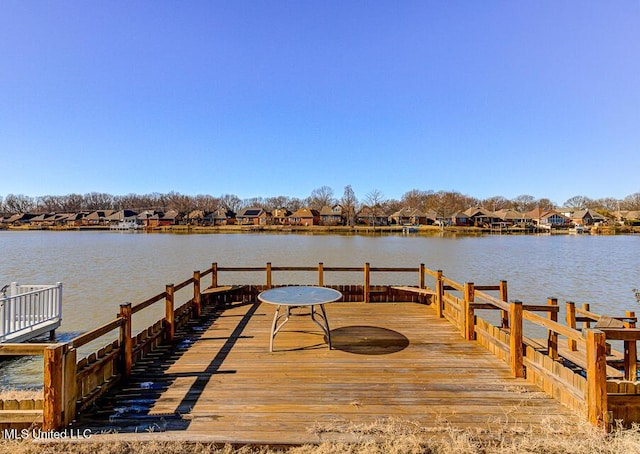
(552, 336)
(630, 353)
(197, 295)
(169, 316)
(571, 323)
(439, 294)
(367, 283)
(468, 314)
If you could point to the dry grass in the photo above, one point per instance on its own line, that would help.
(389, 436)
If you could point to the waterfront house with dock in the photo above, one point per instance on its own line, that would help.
(548, 219)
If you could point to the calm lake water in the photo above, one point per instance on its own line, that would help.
(101, 270)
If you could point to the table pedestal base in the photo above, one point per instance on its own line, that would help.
(319, 318)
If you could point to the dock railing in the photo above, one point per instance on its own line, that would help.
(585, 376)
(577, 375)
(29, 311)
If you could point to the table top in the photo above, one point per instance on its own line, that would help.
(299, 295)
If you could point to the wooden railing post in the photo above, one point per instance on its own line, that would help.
(552, 336)
(596, 376)
(214, 275)
(439, 293)
(70, 385)
(268, 268)
(468, 325)
(126, 342)
(571, 323)
(504, 296)
(421, 284)
(52, 406)
(169, 316)
(320, 274)
(586, 307)
(630, 353)
(367, 282)
(197, 296)
(515, 339)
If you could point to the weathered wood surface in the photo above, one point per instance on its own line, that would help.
(20, 414)
(397, 360)
(212, 290)
(419, 291)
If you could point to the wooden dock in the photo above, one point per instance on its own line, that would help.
(392, 360)
(437, 355)
(29, 311)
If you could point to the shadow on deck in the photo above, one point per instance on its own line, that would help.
(391, 360)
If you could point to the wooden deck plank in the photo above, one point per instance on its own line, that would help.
(393, 360)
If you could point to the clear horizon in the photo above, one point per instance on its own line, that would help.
(262, 99)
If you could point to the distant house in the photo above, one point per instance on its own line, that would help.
(548, 218)
(584, 217)
(20, 219)
(74, 219)
(460, 219)
(144, 217)
(265, 218)
(222, 216)
(512, 217)
(401, 216)
(280, 216)
(418, 217)
(98, 217)
(371, 217)
(39, 220)
(124, 219)
(56, 219)
(197, 217)
(598, 218)
(431, 217)
(162, 219)
(331, 215)
(629, 217)
(305, 216)
(249, 216)
(413, 216)
(480, 217)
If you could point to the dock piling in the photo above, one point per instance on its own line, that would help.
(197, 296)
(515, 339)
(596, 376)
(53, 379)
(126, 343)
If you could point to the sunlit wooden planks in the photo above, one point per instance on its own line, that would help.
(390, 360)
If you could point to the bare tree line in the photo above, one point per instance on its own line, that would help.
(444, 203)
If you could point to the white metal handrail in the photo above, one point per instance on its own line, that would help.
(28, 307)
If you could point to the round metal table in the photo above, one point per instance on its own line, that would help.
(299, 296)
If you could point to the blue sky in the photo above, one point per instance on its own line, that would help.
(266, 98)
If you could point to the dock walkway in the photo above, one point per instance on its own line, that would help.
(390, 360)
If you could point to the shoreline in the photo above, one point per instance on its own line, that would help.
(422, 230)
